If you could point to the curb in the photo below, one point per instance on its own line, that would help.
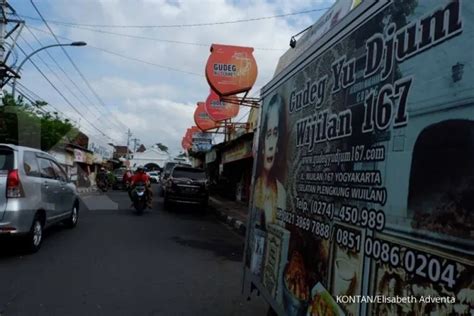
(236, 224)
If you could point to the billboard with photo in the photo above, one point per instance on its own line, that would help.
(364, 175)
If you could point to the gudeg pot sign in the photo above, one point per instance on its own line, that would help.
(231, 69)
(218, 109)
(202, 119)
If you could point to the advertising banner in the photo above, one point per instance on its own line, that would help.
(328, 21)
(239, 151)
(185, 143)
(364, 176)
(101, 149)
(79, 155)
(219, 110)
(202, 142)
(202, 119)
(231, 69)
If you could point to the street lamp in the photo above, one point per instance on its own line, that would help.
(79, 43)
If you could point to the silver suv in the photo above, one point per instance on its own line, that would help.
(34, 194)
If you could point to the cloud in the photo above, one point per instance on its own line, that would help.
(159, 120)
(158, 104)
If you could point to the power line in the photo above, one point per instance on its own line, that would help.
(115, 123)
(65, 23)
(128, 57)
(205, 45)
(33, 97)
(55, 74)
(72, 61)
(61, 94)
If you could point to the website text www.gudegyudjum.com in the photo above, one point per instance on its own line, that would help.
(357, 153)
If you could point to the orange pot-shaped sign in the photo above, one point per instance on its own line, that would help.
(202, 119)
(220, 110)
(186, 144)
(190, 132)
(231, 69)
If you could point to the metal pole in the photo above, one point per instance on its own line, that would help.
(129, 134)
(27, 58)
(3, 27)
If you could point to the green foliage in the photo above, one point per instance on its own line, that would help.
(29, 124)
(162, 147)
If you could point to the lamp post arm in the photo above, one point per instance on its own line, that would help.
(37, 51)
(27, 58)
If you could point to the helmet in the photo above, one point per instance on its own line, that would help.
(140, 168)
(102, 168)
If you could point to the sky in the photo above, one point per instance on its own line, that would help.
(150, 86)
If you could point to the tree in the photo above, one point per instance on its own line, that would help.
(29, 124)
(162, 147)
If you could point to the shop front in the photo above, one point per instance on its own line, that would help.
(236, 168)
(81, 169)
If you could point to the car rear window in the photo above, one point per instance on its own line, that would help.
(194, 174)
(169, 166)
(6, 159)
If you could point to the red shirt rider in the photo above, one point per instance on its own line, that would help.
(127, 176)
(140, 176)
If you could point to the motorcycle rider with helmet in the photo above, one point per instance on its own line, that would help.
(141, 176)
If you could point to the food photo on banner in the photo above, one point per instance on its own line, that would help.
(364, 181)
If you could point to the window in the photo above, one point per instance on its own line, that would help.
(194, 174)
(60, 174)
(6, 159)
(46, 169)
(30, 164)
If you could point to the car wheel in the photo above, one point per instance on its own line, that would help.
(35, 236)
(71, 222)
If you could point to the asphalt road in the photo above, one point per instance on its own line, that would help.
(117, 263)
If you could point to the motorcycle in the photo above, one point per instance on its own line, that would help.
(139, 198)
(102, 185)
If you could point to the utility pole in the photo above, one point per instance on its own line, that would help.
(10, 29)
(129, 134)
(135, 142)
(3, 28)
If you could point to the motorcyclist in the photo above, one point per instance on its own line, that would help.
(102, 177)
(141, 176)
(127, 178)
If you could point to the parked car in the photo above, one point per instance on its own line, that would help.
(167, 171)
(37, 194)
(186, 185)
(118, 179)
(154, 176)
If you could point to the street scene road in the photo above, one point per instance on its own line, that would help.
(262, 157)
(178, 262)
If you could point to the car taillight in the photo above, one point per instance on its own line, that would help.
(14, 189)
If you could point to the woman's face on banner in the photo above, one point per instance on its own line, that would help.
(271, 138)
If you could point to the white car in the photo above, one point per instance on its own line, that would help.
(154, 176)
